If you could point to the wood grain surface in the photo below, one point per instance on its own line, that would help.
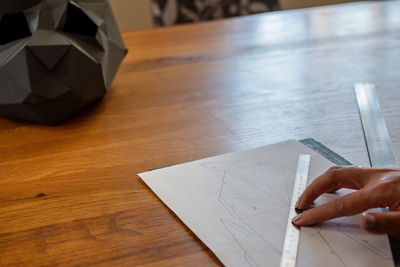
(70, 194)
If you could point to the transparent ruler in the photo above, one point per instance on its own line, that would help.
(291, 243)
(379, 144)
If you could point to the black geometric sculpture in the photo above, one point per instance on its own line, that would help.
(56, 57)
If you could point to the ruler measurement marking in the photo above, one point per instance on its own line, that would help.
(291, 243)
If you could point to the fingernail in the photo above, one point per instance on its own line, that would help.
(298, 210)
(296, 207)
(296, 219)
(370, 221)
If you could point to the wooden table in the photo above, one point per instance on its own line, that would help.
(70, 194)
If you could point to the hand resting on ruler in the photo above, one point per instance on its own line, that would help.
(375, 188)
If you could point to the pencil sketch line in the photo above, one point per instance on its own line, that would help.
(264, 212)
(262, 179)
(247, 182)
(271, 190)
(236, 175)
(262, 237)
(237, 241)
(222, 185)
(243, 198)
(252, 235)
(287, 189)
(256, 188)
(309, 237)
(361, 242)
(331, 248)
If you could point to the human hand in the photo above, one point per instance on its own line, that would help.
(376, 188)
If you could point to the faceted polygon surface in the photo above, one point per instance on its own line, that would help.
(56, 57)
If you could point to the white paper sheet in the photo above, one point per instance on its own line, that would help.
(238, 205)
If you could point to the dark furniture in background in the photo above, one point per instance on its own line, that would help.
(169, 12)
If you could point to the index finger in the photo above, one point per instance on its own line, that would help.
(335, 178)
(348, 205)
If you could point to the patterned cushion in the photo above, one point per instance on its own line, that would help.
(169, 12)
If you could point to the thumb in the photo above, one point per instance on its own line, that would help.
(381, 222)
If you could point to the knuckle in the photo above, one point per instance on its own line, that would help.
(332, 168)
(391, 181)
(333, 172)
(338, 206)
(392, 178)
(377, 199)
(313, 193)
(380, 188)
(384, 193)
(334, 176)
(308, 196)
(387, 186)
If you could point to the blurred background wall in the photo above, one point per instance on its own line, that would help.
(133, 14)
(137, 14)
